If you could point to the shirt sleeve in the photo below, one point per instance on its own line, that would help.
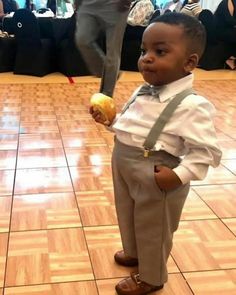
(200, 141)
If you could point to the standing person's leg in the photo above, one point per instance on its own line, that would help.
(114, 41)
(87, 32)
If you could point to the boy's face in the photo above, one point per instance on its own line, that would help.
(164, 54)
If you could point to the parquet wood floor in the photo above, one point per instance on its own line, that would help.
(58, 226)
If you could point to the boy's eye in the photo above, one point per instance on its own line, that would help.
(142, 51)
(160, 52)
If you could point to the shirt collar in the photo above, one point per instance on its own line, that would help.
(173, 88)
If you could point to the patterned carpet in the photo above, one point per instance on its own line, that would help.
(58, 227)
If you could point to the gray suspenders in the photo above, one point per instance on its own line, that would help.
(161, 120)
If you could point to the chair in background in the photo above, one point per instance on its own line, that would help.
(7, 53)
(216, 51)
(69, 60)
(34, 56)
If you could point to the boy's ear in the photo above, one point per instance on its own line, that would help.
(191, 62)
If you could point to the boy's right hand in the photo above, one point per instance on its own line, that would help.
(98, 116)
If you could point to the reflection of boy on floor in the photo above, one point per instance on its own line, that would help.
(151, 186)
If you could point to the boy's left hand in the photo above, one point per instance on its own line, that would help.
(166, 178)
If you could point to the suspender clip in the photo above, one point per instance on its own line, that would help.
(146, 153)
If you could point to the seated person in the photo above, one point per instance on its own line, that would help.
(192, 8)
(225, 15)
(7, 6)
(172, 6)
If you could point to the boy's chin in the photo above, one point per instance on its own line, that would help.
(154, 82)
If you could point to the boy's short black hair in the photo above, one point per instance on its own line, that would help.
(193, 29)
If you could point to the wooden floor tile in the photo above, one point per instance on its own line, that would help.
(94, 178)
(41, 158)
(5, 210)
(219, 175)
(73, 288)
(212, 282)
(172, 267)
(89, 156)
(230, 164)
(38, 116)
(97, 207)
(220, 198)
(47, 257)
(103, 242)
(3, 250)
(7, 160)
(8, 141)
(39, 127)
(204, 245)
(44, 211)
(77, 126)
(42, 180)
(195, 208)
(6, 182)
(231, 224)
(9, 128)
(228, 148)
(78, 139)
(39, 141)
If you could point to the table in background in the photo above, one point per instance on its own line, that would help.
(52, 28)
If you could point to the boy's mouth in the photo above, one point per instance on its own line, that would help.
(147, 70)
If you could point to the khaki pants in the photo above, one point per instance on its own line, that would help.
(147, 216)
(89, 26)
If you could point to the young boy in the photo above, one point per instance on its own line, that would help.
(151, 184)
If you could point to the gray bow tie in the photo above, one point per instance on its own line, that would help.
(150, 90)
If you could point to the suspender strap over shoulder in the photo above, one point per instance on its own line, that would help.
(163, 119)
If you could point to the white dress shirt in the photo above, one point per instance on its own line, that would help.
(189, 133)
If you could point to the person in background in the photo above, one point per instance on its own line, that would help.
(172, 6)
(29, 4)
(152, 167)
(225, 16)
(93, 18)
(192, 8)
(7, 6)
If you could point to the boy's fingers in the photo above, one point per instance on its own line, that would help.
(91, 111)
(158, 168)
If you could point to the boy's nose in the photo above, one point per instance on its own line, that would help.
(147, 58)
